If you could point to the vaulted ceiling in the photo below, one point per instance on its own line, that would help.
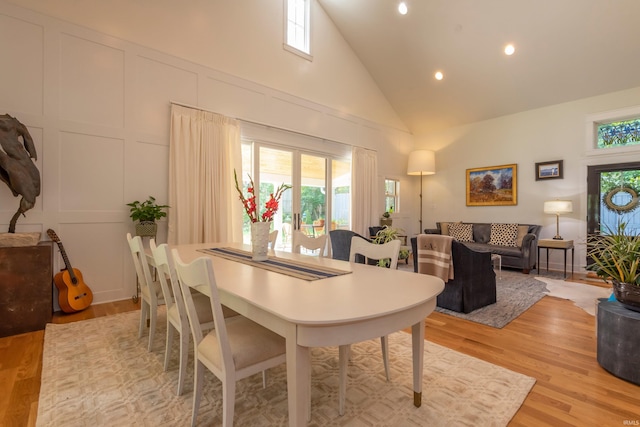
(565, 50)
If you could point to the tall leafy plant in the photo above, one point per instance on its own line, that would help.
(147, 211)
(615, 255)
(387, 234)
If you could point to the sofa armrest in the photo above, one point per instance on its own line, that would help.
(529, 250)
(470, 265)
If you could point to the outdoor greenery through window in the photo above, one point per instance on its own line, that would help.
(320, 200)
(619, 134)
(297, 25)
(391, 195)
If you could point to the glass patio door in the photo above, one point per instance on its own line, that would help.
(319, 201)
(313, 195)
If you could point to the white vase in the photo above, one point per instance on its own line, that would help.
(260, 240)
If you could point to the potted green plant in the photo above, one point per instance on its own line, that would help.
(386, 219)
(146, 213)
(616, 259)
(388, 234)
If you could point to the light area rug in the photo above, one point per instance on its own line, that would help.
(515, 293)
(583, 295)
(97, 373)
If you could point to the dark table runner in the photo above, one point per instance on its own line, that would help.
(298, 269)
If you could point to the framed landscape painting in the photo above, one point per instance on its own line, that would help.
(549, 170)
(492, 186)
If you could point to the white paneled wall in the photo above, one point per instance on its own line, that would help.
(98, 110)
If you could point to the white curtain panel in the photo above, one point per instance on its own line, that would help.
(365, 190)
(204, 150)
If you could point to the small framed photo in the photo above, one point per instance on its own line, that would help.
(549, 170)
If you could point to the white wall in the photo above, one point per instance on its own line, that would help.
(240, 38)
(558, 132)
(96, 101)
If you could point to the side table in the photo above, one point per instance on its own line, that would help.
(618, 340)
(563, 245)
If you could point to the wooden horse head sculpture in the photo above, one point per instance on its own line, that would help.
(17, 169)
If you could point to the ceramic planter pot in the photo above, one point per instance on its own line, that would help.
(627, 294)
(146, 229)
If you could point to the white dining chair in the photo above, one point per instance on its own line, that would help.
(373, 251)
(177, 319)
(273, 239)
(235, 349)
(150, 290)
(301, 240)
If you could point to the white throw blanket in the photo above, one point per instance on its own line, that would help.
(434, 256)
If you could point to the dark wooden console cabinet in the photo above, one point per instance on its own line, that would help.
(26, 288)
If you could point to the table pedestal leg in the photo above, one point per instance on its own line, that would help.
(298, 380)
(417, 339)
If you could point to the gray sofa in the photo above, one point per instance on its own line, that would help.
(521, 257)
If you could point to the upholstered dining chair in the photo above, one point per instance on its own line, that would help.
(301, 240)
(273, 239)
(341, 244)
(177, 319)
(150, 291)
(235, 349)
(389, 250)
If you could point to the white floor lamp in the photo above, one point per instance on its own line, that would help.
(421, 162)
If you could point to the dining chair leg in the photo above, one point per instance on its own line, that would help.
(343, 361)
(384, 343)
(184, 356)
(228, 401)
(198, 377)
(144, 309)
(152, 326)
(168, 344)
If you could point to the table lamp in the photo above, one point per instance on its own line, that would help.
(421, 162)
(557, 208)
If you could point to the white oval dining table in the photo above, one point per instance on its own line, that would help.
(366, 303)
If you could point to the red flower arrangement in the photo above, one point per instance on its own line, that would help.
(271, 206)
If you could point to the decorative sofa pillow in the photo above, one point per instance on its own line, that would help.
(523, 230)
(461, 232)
(444, 227)
(504, 235)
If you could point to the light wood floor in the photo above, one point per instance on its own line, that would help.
(554, 342)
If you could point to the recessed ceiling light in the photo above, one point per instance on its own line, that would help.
(509, 49)
(439, 75)
(402, 8)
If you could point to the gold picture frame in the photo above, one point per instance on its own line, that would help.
(493, 186)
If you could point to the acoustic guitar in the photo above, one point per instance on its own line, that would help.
(74, 294)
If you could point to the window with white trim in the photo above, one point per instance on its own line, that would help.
(391, 195)
(615, 132)
(297, 27)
